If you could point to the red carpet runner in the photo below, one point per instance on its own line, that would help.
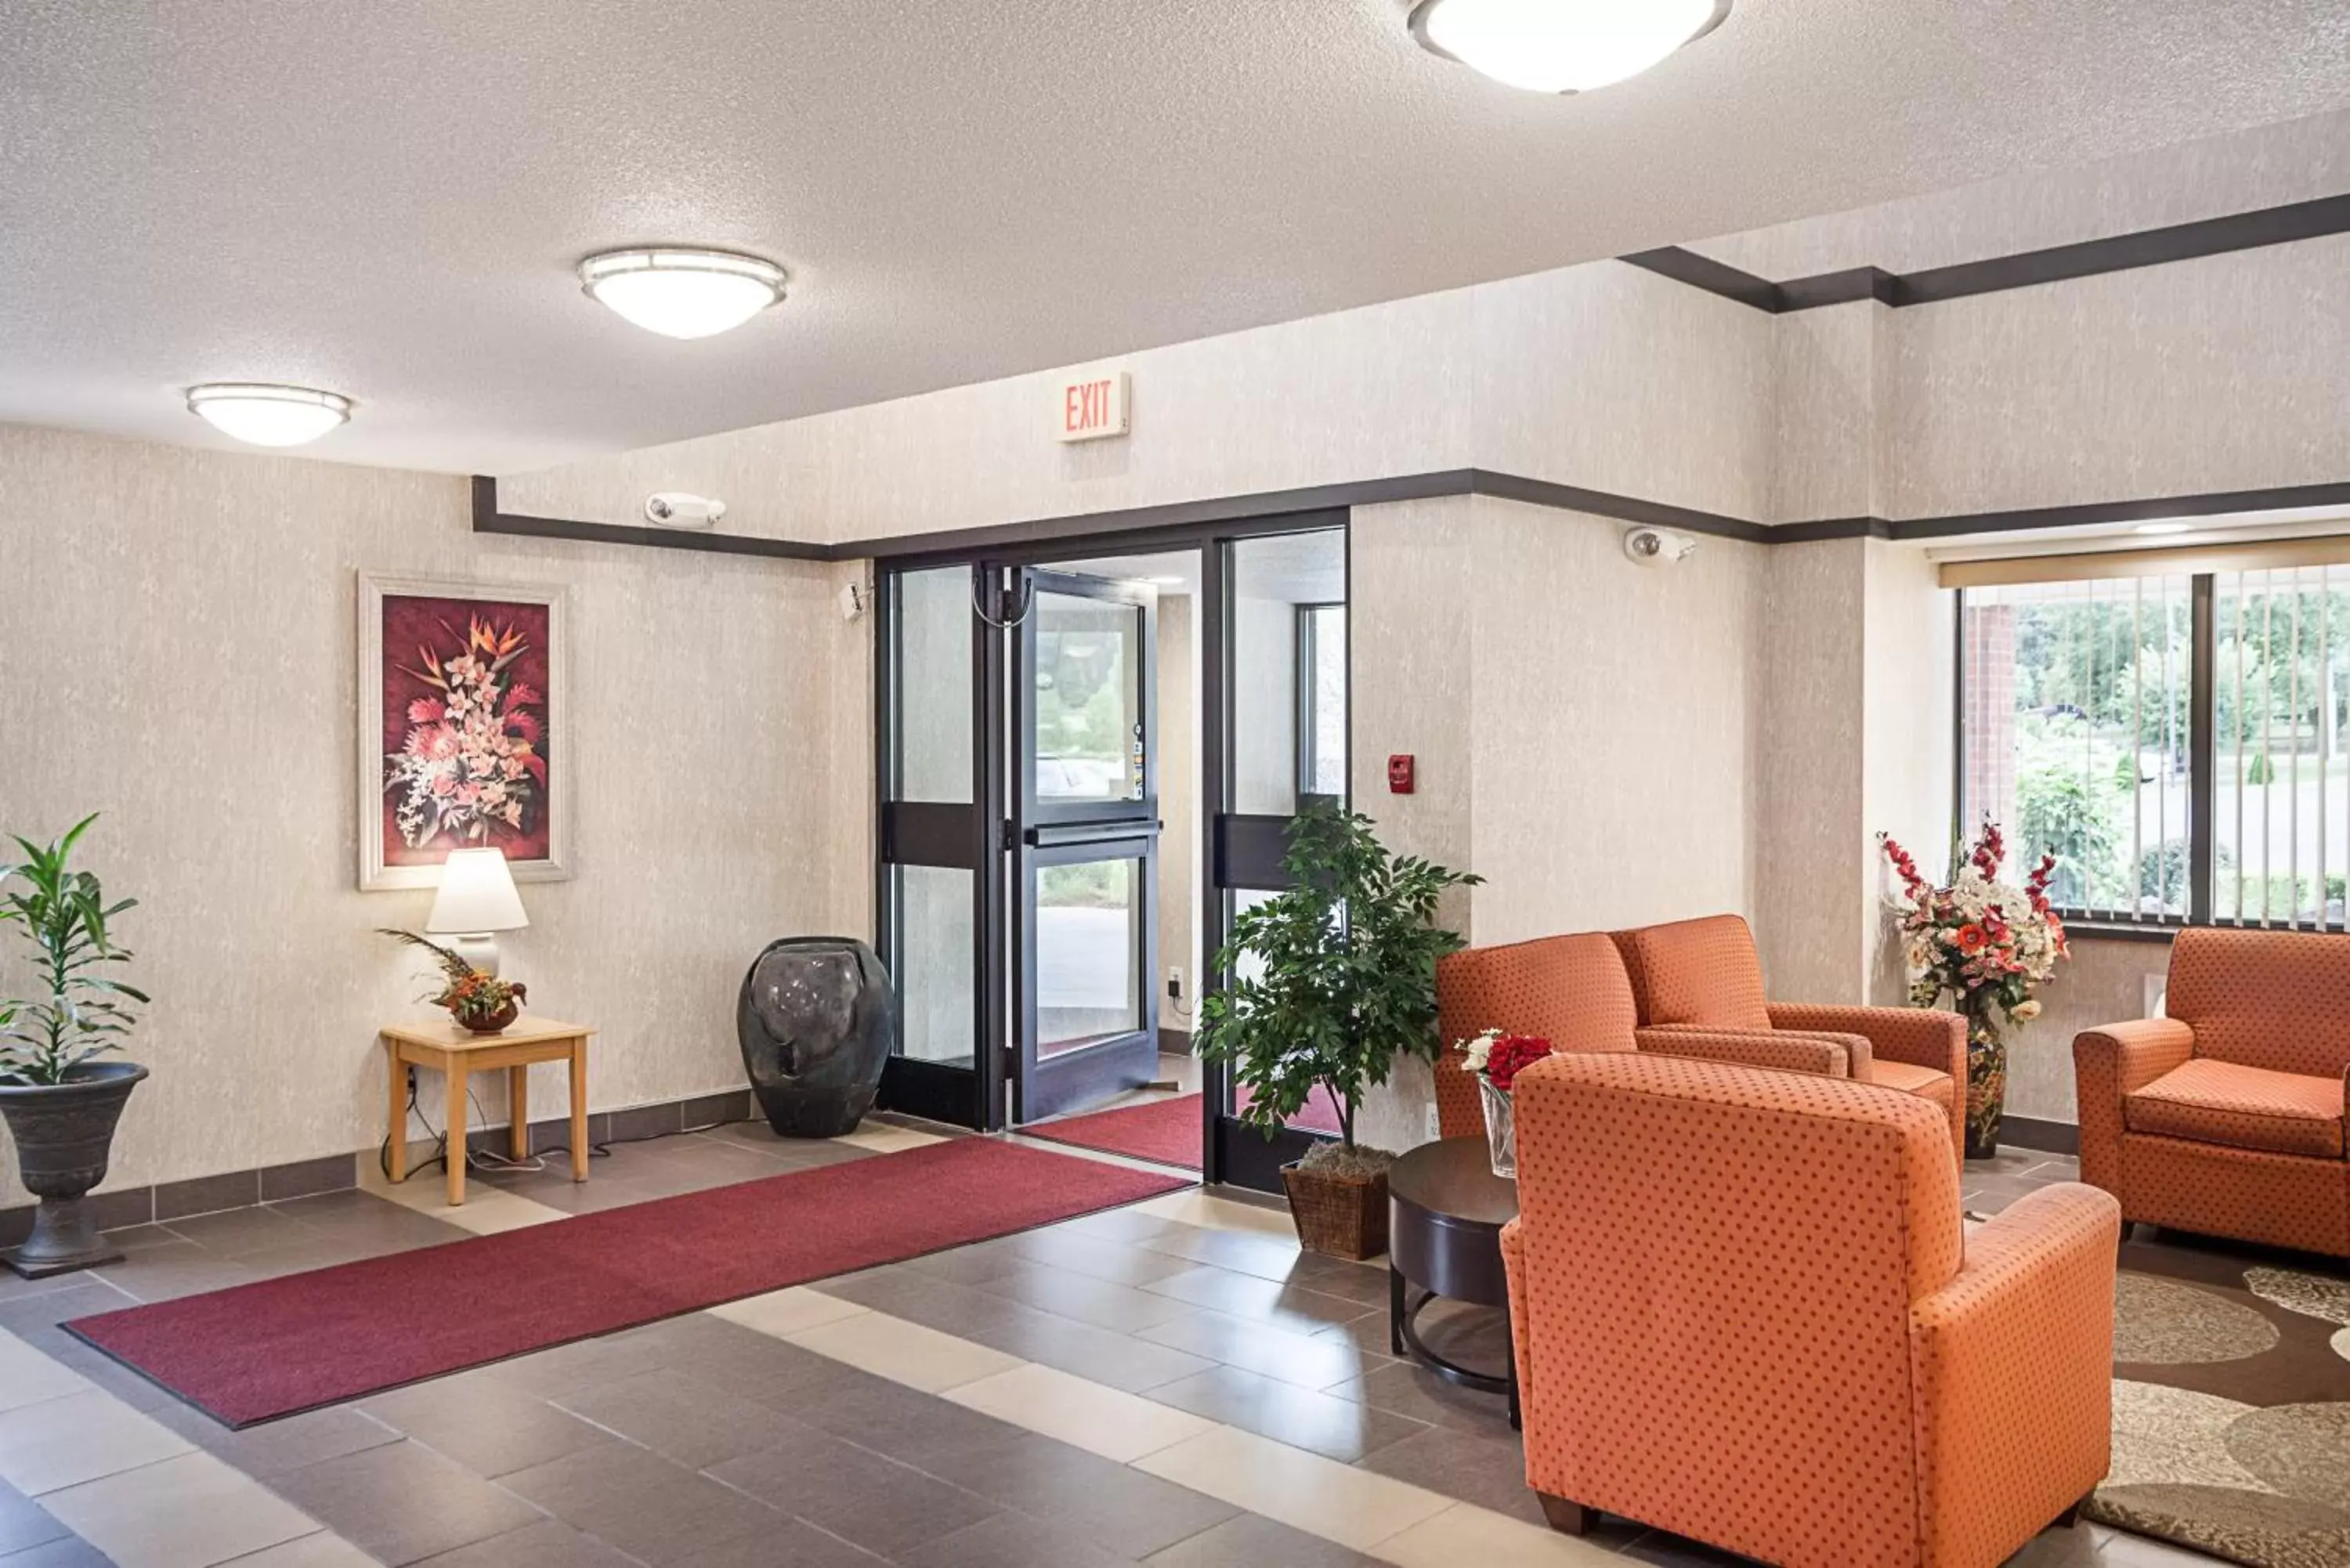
(1165, 1131)
(258, 1352)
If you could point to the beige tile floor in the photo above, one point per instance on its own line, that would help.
(1171, 1383)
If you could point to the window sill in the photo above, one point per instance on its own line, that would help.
(2119, 931)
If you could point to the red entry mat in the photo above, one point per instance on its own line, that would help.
(253, 1353)
(1164, 1131)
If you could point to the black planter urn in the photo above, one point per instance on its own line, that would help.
(63, 1134)
(817, 1020)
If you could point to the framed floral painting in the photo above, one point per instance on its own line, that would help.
(463, 729)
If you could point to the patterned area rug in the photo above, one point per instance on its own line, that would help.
(2232, 1403)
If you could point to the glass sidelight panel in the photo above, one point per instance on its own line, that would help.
(933, 756)
(1286, 670)
(1090, 939)
(1089, 699)
(937, 986)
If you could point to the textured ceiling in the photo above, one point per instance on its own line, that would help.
(386, 197)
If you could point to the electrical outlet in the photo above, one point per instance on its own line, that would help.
(1175, 982)
(1430, 1129)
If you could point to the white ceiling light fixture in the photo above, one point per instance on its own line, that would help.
(682, 292)
(2163, 527)
(267, 415)
(1562, 45)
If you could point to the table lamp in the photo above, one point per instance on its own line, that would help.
(477, 898)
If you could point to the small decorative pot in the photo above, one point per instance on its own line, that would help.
(496, 1023)
(65, 1133)
(1500, 1129)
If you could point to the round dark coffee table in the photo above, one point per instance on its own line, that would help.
(1445, 1212)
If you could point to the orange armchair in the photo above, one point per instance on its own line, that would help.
(1705, 974)
(1744, 1311)
(2226, 1117)
(1573, 992)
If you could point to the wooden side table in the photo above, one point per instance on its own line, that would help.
(456, 1053)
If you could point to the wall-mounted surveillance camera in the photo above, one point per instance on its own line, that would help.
(852, 601)
(1656, 547)
(675, 509)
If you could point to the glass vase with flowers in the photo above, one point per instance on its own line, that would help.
(1495, 1059)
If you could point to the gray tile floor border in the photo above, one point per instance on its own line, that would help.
(696, 1442)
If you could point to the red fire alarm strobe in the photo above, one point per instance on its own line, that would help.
(1399, 773)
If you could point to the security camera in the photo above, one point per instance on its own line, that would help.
(1656, 547)
(675, 509)
(852, 601)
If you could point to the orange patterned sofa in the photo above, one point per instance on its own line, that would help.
(2226, 1117)
(1744, 1311)
(1704, 974)
(1573, 991)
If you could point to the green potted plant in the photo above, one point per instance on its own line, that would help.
(60, 1101)
(1325, 982)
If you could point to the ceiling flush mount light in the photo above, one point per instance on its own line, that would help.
(2165, 527)
(682, 292)
(1562, 45)
(267, 415)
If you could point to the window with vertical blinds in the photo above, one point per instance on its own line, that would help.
(2175, 738)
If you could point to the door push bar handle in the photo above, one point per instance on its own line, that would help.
(1050, 835)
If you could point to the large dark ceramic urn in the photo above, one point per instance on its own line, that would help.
(818, 1019)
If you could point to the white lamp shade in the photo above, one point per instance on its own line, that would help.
(477, 894)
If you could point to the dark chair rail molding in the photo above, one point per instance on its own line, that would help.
(2058, 264)
(1267, 511)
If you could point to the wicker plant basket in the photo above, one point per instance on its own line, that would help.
(1341, 1216)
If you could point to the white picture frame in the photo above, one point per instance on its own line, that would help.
(374, 590)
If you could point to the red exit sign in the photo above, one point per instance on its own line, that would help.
(1090, 405)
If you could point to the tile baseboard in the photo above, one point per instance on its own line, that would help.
(2045, 1136)
(170, 1201)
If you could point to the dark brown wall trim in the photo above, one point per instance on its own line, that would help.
(488, 519)
(2058, 264)
(1713, 276)
(1123, 526)
(1271, 511)
(1626, 508)
(2217, 503)
(1832, 528)
(1173, 515)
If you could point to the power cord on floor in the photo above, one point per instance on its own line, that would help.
(482, 1159)
(490, 1160)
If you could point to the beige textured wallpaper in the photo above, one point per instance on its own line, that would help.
(1583, 727)
(1612, 726)
(2230, 372)
(188, 670)
(2103, 983)
(1809, 912)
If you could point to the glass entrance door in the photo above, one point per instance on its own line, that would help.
(1086, 828)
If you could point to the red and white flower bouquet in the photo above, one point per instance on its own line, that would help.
(470, 766)
(1988, 946)
(1496, 1059)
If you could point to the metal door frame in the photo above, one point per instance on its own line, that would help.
(1229, 1152)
